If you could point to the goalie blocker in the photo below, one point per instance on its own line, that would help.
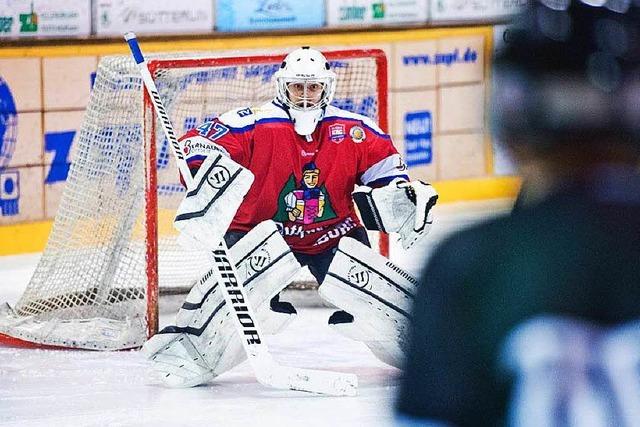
(220, 185)
(401, 206)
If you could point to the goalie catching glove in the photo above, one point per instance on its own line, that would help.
(206, 212)
(401, 206)
(376, 296)
(204, 343)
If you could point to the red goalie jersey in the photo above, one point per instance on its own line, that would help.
(304, 186)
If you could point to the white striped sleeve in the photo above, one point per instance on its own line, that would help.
(388, 168)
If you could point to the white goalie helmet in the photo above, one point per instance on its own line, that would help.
(305, 84)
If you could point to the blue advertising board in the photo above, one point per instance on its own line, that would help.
(9, 178)
(254, 15)
(9, 192)
(418, 134)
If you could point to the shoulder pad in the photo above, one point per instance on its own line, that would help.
(247, 116)
(269, 110)
(238, 118)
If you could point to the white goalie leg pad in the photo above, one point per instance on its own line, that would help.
(401, 206)
(203, 343)
(208, 208)
(176, 361)
(376, 296)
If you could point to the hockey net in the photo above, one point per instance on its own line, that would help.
(112, 248)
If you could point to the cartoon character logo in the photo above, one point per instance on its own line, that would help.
(304, 200)
(306, 204)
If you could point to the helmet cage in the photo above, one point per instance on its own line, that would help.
(303, 100)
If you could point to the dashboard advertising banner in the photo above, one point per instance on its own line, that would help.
(115, 17)
(370, 12)
(251, 15)
(476, 10)
(45, 18)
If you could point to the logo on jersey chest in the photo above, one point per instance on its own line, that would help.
(306, 201)
(337, 133)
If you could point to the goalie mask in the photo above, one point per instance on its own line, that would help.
(306, 85)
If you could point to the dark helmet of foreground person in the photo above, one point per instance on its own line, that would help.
(569, 74)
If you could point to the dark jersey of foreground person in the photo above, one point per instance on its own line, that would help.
(533, 319)
(575, 254)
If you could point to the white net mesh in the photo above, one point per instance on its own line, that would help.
(89, 289)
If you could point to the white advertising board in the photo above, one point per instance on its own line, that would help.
(371, 12)
(45, 18)
(115, 17)
(466, 10)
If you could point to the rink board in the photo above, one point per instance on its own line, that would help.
(439, 81)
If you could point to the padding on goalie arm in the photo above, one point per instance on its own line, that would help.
(376, 296)
(400, 206)
(203, 342)
(220, 185)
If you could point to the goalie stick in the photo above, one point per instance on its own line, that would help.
(266, 369)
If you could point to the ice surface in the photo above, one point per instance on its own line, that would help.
(62, 388)
(82, 388)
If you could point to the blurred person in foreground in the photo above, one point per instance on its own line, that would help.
(533, 319)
